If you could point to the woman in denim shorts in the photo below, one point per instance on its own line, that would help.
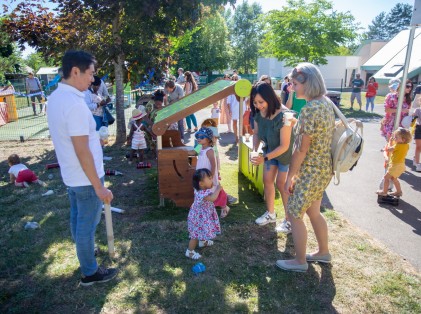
(269, 127)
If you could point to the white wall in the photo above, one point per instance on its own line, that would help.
(336, 72)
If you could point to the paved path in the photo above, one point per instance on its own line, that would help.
(399, 228)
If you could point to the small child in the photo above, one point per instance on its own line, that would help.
(207, 159)
(210, 123)
(136, 136)
(20, 175)
(202, 222)
(215, 113)
(398, 149)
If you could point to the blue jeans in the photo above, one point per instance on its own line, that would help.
(370, 100)
(189, 119)
(85, 214)
(98, 121)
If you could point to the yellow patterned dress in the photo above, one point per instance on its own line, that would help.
(317, 119)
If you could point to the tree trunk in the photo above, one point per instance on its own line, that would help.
(119, 100)
(118, 62)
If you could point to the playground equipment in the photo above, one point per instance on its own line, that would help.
(175, 165)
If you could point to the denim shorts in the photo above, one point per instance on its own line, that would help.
(277, 163)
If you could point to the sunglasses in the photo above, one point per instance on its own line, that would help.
(299, 76)
(201, 137)
(408, 86)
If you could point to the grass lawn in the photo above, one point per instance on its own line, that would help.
(356, 113)
(39, 270)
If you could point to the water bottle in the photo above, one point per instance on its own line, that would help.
(198, 268)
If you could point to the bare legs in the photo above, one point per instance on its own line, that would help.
(299, 233)
(235, 127)
(269, 177)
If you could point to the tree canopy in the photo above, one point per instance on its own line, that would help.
(246, 31)
(10, 57)
(204, 48)
(386, 26)
(307, 31)
(123, 35)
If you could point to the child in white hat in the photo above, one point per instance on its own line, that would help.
(137, 133)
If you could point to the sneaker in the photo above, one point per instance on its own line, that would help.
(284, 227)
(26, 184)
(231, 199)
(102, 275)
(266, 218)
(418, 168)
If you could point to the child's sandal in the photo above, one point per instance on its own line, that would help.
(193, 254)
(381, 193)
(396, 194)
(205, 243)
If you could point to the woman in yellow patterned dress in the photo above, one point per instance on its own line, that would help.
(310, 170)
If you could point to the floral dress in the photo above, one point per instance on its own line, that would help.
(391, 102)
(203, 222)
(317, 119)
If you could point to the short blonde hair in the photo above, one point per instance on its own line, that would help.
(405, 134)
(309, 75)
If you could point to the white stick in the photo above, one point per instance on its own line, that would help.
(109, 227)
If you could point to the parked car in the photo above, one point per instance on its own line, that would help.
(335, 97)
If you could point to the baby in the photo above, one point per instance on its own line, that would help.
(20, 175)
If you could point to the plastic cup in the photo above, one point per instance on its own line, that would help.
(247, 136)
(288, 116)
(253, 155)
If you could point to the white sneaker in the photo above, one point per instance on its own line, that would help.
(266, 218)
(284, 227)
(418, 168)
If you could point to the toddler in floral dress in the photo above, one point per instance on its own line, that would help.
(203, 222)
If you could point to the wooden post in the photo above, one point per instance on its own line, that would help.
(109, 227)
(159, 147)
(240, 131)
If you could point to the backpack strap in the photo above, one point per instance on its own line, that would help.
(345, 121)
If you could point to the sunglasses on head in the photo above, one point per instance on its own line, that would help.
(299, 76)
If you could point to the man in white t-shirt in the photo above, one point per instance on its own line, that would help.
(79, 154)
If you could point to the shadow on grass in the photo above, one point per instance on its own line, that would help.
(359, 114)
(40, 270)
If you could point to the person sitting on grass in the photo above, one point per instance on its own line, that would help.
(20, 175)
(203, 222)
(398, 146)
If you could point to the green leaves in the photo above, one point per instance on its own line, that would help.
(307, 32)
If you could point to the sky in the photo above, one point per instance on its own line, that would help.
(364, 11)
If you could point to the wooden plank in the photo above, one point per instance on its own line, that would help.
(188, 105)
(175, 175)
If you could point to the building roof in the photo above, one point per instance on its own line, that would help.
(53, 70)
(389, 61)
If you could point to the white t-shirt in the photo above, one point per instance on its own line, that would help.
(68, 115)
(15, 169)
(235, 106)
(215, 113)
